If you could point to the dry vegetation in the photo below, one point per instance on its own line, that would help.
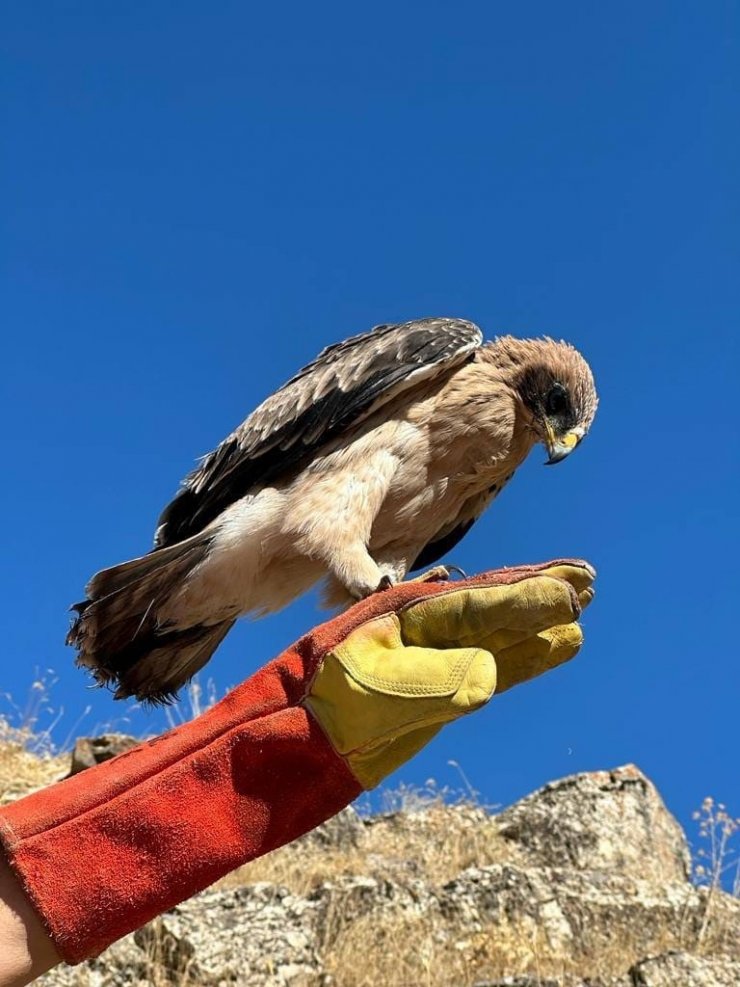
(23, 765)
(491, 954)
(469, 837)
(398, 947)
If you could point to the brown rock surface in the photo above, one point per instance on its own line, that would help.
(584, 883)
(685, 970)
(89, 751)
(602, 820)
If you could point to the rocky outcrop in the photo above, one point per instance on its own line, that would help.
(587, 885)
(89, 751)
(684, 970)
(605, 820)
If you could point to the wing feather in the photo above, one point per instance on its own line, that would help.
(453, 533)
(347, 382)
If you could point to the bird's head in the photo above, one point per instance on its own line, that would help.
(555, 388)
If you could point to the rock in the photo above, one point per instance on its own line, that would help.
(123, 965)
(89, 751)
(685, 970)
(255, 936)
(344, 830)
(343, 901)
(586, 914)
(601, 820)
(594, 892)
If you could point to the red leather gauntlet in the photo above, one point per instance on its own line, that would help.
(103, 852)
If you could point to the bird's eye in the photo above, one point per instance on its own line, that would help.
(557, 400)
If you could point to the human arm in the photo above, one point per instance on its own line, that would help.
(26, 949)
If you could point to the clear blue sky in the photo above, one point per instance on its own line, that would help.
(198, 197)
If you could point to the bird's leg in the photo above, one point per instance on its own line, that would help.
(358, 572)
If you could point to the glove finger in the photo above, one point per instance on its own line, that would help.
(539, 653)
(467, 616)
(505, 637)
(576, 571)
(579, 574)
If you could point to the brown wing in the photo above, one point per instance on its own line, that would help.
(449, 536)
(346, 383)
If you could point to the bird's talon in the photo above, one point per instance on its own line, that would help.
(385, 583)
(457, 570)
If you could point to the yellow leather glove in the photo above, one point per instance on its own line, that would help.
(428, 653)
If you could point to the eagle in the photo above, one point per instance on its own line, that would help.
(373, 461)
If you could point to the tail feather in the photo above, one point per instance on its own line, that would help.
(119, 638)
(157, 676)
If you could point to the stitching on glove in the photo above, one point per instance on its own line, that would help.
(390, 624)
(384, 685)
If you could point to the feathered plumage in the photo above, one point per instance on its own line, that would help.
(374, 460)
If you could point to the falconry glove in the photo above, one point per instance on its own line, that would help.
(103, 852)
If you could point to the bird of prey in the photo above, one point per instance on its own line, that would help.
(371, 462)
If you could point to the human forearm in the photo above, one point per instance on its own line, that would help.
(27, 951)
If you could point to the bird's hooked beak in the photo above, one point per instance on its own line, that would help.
(562, 446)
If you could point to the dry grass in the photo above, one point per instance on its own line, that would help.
(29, 759)
(399, 951)
(23, 768)
(434, 843)
(716, 860)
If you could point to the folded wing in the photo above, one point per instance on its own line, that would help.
(449, 536)
(342, 386)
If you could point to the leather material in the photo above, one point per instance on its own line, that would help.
(101, 853)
